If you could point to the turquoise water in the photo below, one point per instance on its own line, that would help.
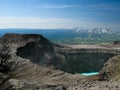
(90, 73)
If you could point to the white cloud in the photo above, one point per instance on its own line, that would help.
(51, 6)
(50, 23)
(103, 6)
(20, 19)
(32, 22)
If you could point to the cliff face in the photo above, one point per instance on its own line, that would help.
(84, 58)
(34, 47)
(85, 62)
(41, 51)
(32, 70)
(29, 61)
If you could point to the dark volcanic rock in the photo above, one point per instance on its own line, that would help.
(40, 52)
(34, 47)
(27, 62)
(27, 72)
(85, 62)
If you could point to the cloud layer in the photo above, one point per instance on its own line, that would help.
(50, 23)
(50, 6)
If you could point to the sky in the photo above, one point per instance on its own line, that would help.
(60, 14)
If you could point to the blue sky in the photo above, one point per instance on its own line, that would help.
(60, 13)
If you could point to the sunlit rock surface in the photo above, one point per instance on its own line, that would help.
(111, 69)
(21, 73)
(31, 62)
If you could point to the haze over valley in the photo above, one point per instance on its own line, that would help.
(72, 36)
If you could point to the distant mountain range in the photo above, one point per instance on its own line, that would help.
(72, 36)
(95, 30)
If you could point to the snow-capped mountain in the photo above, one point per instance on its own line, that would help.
(95, 30)
(101, 30)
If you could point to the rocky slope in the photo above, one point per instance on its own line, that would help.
(25, 45)
(29, 62)
(111, 69)
(18, 73)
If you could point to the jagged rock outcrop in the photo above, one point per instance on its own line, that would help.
(29, 62)
(41, 51)
(111, 69)
(18, 73)
(34, 47)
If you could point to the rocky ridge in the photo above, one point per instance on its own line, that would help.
(23, 73)
(20, 73)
